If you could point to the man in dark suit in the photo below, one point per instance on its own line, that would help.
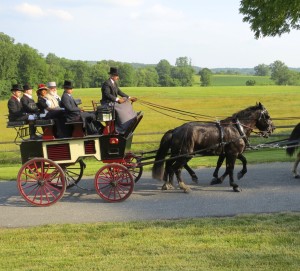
(113, 97)
(74, 113)
(110, 90)
(29, 105)
(16, 111)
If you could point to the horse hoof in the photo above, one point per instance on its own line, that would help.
(187, 190)
(297, 176)
(237, 189)
(240, 175)
(215, 181)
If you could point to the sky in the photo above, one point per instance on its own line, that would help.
(210, 33)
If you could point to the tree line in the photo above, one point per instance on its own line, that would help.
(19, 63)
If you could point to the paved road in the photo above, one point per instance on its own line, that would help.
(266, 188)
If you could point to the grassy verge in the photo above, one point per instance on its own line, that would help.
(248, 242)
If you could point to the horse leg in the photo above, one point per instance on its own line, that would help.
(168, 176)
(216, 179)
(177, 167)
(243, 159)
(295, 172)
(230, 162)
(192, 173)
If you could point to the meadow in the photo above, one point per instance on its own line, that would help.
(216, 102)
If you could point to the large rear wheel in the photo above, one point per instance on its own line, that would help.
(114, 182)
(41, 182)
(132, 163)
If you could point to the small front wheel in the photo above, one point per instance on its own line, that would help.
(41, 182)
(114, 182)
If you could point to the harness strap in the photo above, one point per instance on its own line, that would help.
(221, 130)
(241, 132)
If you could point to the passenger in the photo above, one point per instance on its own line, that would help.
(48, 112)
(114, 97)
(17, 112)
(28, 103)
(53, 91)
(74, 113)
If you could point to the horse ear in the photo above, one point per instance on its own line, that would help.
(260, 105)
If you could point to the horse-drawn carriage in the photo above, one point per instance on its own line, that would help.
(51, 165)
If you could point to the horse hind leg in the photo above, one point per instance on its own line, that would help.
(294, 170)
(230, 167)
(168, 177)
(192, 173)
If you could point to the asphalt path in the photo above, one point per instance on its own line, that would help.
(266, 188)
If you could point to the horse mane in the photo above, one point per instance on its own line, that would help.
(243, 114)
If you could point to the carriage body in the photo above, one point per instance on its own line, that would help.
(51, 165)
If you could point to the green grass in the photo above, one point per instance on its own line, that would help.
(217, 102)
(240, 80)
(244, 242)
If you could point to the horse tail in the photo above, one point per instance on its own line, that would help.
(295, 135)
(158, 166)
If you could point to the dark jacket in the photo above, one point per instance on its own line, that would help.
(15, 110)
(29, 105)
(110, 92)
(72, 111)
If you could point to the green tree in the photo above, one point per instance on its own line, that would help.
(280, 73)
(262, 70)
(9, 57)
(163, 69)
(32, 66)
(127, 75)
(205, 77)
(56, 71)
(270, 17)
(147, 77)
(183, 73)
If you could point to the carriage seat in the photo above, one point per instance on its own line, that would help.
(77, 128)
(17, 123)
(47, 127)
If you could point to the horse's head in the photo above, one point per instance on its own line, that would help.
(263, 121)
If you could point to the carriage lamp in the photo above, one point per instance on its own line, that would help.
(114, 141)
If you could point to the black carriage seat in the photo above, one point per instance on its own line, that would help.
(21, 127)
(77, 128)
(47, 127)
(134, 124)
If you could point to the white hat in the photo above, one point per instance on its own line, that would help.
(51, 84)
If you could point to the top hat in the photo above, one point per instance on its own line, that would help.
(51, 85)
(16, 87)
(113, 71)
(42, 87)
(67, 84)
(26, 87)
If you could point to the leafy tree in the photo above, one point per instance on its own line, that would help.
(280, 73)
(127, 75)
(183, 73)
(271, 17)
(56, 71)
(262, 70)
(163, 69)
(205, 77)
(250, 82)
(99, 73)
(147, 77)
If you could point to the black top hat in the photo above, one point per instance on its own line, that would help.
(16, 87)
(113, 71)
(26, 87)
(68, 84)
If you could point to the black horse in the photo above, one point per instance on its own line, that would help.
(166, 142)
(229, 137)
(293, 146)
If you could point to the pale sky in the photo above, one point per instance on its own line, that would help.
(210, 33)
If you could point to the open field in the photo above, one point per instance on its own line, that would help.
(217, 102)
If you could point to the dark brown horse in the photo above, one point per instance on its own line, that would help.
(228, 138)
(293, 146)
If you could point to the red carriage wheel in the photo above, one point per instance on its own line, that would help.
(41, 182)
(131, 162)
(114, 182)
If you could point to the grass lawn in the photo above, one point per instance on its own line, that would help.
(247, 242)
